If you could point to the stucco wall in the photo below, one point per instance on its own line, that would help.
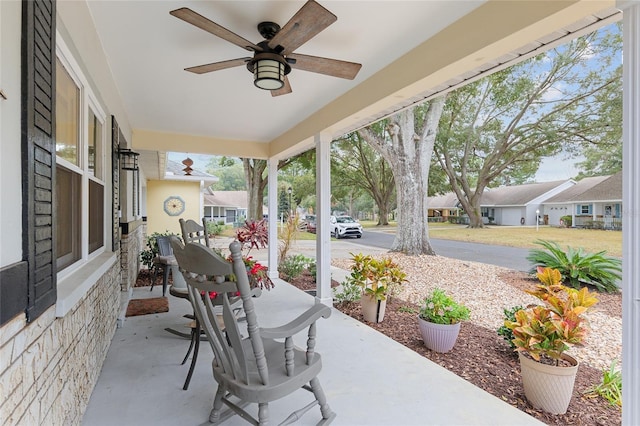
(158, 191)
(49, 368)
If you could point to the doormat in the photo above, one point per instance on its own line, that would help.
(154, 305)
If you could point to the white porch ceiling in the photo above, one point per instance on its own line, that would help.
(170, 109)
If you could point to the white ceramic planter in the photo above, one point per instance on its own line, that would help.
(548, 387)
(372, 309)
(439, 337)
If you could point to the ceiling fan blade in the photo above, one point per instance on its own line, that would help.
(201, 69)
(284, 89)
(332, 67)
(304, 25)
(203, 23)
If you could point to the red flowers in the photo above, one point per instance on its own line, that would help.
(212, 294)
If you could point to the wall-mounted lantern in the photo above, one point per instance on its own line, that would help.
(128, 159)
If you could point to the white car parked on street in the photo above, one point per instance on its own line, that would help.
(345, 226)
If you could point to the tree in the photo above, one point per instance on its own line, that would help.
(255, 172)
(496, 130)
(256, 178)
(357, 165)
(407, 144)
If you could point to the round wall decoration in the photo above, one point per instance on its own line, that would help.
(174, 205)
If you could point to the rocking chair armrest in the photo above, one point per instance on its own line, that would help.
(303, 321)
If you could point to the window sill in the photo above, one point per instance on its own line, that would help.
(73, 288)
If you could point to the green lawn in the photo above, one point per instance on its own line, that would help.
(590, 240)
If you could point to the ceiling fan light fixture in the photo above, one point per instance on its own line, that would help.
(269, 70)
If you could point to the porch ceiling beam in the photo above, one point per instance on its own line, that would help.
(161, 141)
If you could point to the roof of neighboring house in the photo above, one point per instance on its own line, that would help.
(175, 171)
(236, 199)
(597, 188)
(518, 195)
(445, 201)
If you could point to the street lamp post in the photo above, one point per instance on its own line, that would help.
(290, 209)
(537, 219)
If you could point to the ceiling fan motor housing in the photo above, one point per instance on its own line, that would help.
(268, 67)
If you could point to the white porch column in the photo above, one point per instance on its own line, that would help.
(631, 214)
(273, 218)
(323, 211)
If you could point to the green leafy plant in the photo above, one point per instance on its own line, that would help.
(577, 267)
(566, 221)
(610, 388)
(151, 251)
(347, 292)
(215, 228)
(439, 308)
(408, 310)
(547, 331)
(292, 266)
(376, 278)
(504, 331)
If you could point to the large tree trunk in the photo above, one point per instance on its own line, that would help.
(409, 154)
(256, 182)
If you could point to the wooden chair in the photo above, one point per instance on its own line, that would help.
(262, 366)
(194, 232)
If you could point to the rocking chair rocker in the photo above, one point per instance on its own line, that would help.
(263, 365)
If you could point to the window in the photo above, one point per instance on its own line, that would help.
(80, 185)
(584, 208)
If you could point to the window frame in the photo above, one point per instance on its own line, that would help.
(88, 102)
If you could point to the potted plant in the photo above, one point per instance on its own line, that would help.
(376, 278)
(439, 320)
(543, 333)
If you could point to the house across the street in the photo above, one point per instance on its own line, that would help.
(594, 202)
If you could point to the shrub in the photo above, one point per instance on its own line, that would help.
(292, 266)
(215, 228)
(566, 221)
(504, 331)
(253, 233)
(348, 292)
(577, 267)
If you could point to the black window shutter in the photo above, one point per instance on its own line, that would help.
(38, 153)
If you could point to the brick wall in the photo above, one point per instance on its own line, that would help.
(130, 246)
(49, 368)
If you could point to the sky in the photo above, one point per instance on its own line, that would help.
(556, 168)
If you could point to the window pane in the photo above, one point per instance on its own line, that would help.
(68, 225)
(96, 216)
(67, 108)
(95, 146)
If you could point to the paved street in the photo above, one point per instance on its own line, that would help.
(508, 257)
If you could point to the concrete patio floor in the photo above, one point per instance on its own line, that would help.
(369, 379)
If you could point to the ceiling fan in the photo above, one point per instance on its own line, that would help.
(273, 58)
